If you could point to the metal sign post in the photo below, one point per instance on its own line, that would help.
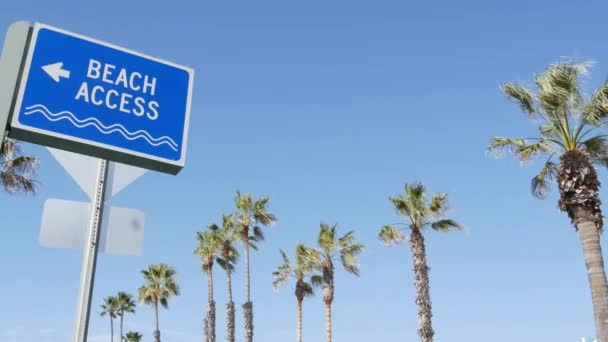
(89, 259)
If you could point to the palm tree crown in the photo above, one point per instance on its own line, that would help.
(566, 120)
(16, 169)
(226, 236)
(302, 270)
(125, 302)
(332, 246)
(159, 285)
(133, 336)
(412, 205)
(252, 214)
(109, 307)
(208, 245)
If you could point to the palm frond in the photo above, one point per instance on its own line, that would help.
(391, 236)
(522, 96)
(402, 206)
(257, 234)
(526, 152)
(558, 88)
(316, 280)
(597, 148)
(540, 184)
(596, 111)
(307, 289)
(327, 237)
(498, 145)
(350, 263)
(439, 204)
(446, 225)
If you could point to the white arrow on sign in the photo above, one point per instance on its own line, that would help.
(56, 72)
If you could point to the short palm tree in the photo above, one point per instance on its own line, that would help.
(110, 308)
(228, 257)
(419, 215)
(126, 304)
(208, 246)
(250, 216)
(569, 131)
(159, 286)
(16, 170)
(304, 275)
(133, 336)
(331, 247)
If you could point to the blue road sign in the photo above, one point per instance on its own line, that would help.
(90, 97)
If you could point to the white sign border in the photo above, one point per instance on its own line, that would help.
(28, 61)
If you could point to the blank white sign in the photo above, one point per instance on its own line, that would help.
(65, 223)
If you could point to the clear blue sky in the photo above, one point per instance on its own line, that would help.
(329, 108)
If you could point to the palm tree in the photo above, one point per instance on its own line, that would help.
(110, 308)
(568, 129)
(331, 247)
(16, 169)
(250, 215)
(125, 304)
(208, 245)
(412, 205)
(159, 287)
(227, 236)
(303, 273)
(133, 336)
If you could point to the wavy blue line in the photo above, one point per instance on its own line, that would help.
(38, 108)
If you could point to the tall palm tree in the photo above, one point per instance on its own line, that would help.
(110, 308)
(228, 256)
(159, 286)
(16, 170)
(303, 273)
(569, 131)
(208, 245)
(125, 304)
(413, 206)
(331, 246)
(133, 336)
(250, 216)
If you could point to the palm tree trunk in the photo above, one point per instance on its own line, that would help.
(421, 283)
(328, 320)
(248, 311)
(229, 284)
(328, 293)
(157, 331)
(248, 306)
(210, 319)
(594, 261)
(230, 333)
(299, 320)
(247, 275)
(111, 329)
(122, 314)
(579, 188)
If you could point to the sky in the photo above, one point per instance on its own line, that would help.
(329, 108)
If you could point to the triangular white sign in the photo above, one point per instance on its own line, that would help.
(83, 169)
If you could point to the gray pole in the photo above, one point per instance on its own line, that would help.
(89, 259)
